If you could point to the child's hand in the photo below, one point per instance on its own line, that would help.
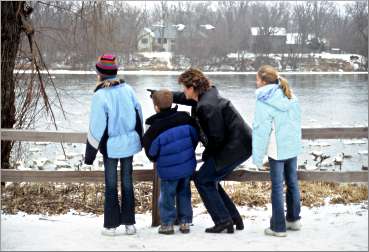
(152, 91)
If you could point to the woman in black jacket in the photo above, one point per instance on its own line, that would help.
(227, 141)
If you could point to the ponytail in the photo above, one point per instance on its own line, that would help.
(270, 75)
(285, 87)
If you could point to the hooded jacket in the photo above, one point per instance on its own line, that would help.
(171, 141)
(275, 112)
(115, 122)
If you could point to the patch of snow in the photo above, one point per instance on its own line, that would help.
(349, 142)
(337, 227)
(208, 27)
(180, 27)
(162, 56)
(149, 31)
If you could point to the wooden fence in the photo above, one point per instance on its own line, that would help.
(150, 175)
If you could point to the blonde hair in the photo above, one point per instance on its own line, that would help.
(270, 75)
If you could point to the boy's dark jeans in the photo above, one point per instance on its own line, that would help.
(114, 215)
(280, 170)
(175, 192)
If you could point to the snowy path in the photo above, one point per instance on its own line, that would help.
(332, 227)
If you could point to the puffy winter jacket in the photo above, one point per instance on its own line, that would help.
(171, 142)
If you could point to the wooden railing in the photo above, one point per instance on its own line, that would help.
(150, 175)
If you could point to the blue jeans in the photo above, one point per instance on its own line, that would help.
(217, 202)
(284, 170)
(114, 215)
(175, 192)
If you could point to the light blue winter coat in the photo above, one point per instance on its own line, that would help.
(273, 105)
(114, 108)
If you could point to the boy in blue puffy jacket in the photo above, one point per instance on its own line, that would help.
(171, 141)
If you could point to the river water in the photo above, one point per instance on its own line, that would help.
(327, 100)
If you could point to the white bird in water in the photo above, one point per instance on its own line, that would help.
(208, 26)
(338, 159)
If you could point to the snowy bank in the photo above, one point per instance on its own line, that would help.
(332, 227)
(150, 72)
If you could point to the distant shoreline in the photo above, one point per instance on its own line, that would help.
(151, 72)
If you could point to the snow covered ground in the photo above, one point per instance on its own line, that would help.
(331, 227)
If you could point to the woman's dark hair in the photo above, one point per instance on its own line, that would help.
(193, 77)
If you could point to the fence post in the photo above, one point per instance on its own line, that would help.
(155, 199)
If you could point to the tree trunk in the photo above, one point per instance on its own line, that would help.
(11, 28)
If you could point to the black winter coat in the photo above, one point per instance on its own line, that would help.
(226, 136)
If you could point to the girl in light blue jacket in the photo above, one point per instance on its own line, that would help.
(115, 130)
(277, 133)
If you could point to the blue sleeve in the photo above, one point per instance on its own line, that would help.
(261, 130)
(154, 150)
(97, 126)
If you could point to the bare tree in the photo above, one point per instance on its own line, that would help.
(74, 33)
(29, 92)
(266, 18)
(358, 12)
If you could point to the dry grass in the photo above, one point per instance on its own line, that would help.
(59, 198)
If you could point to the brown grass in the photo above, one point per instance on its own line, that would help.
(59, 198)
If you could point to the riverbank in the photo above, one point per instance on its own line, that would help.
(152, 72)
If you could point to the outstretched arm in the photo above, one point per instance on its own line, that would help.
(180, 98)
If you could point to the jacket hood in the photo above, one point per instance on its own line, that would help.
(161, 115)
(273, 95)
(111, 82)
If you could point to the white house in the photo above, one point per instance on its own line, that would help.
(146, 40)
(159, 37)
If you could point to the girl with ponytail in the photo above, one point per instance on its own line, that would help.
(277, 133)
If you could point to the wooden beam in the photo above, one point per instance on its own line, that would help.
(67, 176)
(147, 175)
(43, 136)
(349, 176)
(334, 133)
(80, 137)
